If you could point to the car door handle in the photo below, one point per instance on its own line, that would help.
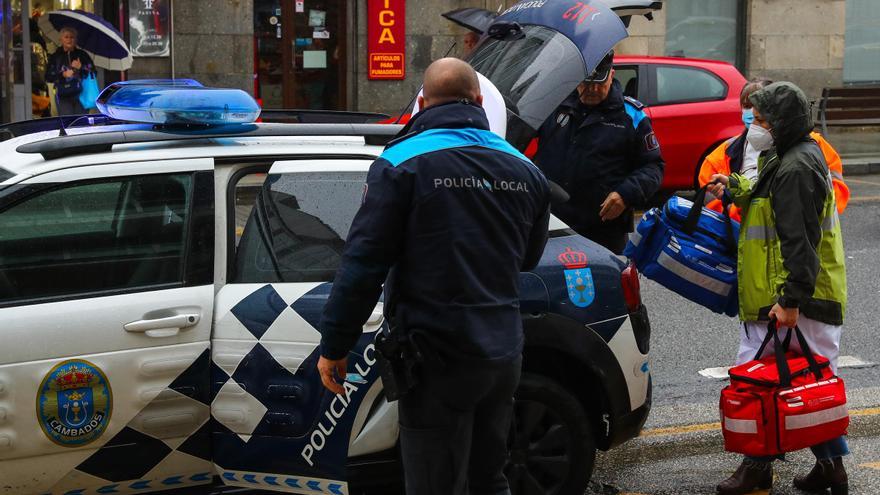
(163, 327)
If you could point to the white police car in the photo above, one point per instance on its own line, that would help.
(160, 290)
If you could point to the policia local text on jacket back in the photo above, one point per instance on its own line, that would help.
(459, 212)
(593, 151)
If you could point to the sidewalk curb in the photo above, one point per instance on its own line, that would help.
(861, 166)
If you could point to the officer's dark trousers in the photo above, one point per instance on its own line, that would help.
(454, 427)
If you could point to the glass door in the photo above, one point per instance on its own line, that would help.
(300, 53)
(318, 57)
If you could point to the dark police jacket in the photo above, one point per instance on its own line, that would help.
(459, 213)
(591, 152)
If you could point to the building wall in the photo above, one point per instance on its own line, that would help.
(213, 43)
(797, 40)
(429, 37)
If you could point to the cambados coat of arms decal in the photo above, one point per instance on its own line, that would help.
(74, 403)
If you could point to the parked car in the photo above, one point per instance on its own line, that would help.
(161, 286)
(693, 105)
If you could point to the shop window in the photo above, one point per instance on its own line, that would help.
(704, 29)
(860, 63)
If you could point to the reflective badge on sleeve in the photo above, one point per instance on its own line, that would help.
(651, 142)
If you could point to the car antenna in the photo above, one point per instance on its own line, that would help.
(61, 131)
(410, 104)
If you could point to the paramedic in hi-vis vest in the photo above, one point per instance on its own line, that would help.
(737, 155)
(790, 262)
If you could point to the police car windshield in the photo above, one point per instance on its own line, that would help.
(535, 73)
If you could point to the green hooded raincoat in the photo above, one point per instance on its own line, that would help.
(790, 247)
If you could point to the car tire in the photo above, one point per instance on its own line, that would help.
(552, 450)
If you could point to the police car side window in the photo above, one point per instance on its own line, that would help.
(684, 84)
(297, 227)
(86, 238)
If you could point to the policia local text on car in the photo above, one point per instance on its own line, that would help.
(458, 246)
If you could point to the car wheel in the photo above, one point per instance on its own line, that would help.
(552, 450)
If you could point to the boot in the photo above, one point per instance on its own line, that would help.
(827, 473)
(750, 476)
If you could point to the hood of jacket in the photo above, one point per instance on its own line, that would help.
(787, 110)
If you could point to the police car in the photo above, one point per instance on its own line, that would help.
(162, 277)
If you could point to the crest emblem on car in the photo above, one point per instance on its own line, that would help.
(578, 277)
(74, 403)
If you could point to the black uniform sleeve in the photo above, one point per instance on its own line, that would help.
(537, 238)
(797, 200)
(374, 244)
(646, 164)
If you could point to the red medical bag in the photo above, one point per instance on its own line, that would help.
(783, 402)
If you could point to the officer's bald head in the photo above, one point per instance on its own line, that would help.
(450, 79)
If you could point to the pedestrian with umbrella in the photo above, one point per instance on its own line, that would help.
(67, 68)
(85, 42)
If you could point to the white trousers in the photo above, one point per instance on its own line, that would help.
(823, 339)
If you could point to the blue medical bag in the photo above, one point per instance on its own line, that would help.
(690, 250)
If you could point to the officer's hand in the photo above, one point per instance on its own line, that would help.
(612, 207)
(333, 373)
(67, 74)
(785, 317)
(717, 185)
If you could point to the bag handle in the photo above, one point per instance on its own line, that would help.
(781, 361)
(771, 329)
(780, 350)
(693, 217)
(808, 353)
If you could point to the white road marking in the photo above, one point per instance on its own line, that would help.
(720, 373)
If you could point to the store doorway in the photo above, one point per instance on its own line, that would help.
(299, 53)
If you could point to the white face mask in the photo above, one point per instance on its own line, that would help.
(759, 138)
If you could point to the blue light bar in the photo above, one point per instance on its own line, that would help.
(177, 102)
(160, 82)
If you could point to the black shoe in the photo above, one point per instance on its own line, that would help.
(749, 476)
(827, 473)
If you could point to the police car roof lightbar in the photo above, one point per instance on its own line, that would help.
(100, 142)
(177, 102)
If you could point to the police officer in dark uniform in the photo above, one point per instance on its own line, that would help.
(600, 147)
(458, 213)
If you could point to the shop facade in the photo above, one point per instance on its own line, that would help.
(327, 54)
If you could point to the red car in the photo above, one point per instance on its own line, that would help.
(693, 105)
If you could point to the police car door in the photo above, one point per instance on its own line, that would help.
(278, 428)
(106, 297)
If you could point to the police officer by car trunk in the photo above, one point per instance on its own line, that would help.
(458, 213)
(600, 147)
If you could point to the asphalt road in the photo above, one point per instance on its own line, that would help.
(681, 450)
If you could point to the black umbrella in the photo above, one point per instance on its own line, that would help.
(475, 19)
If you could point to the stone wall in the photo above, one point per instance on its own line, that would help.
(428, 37)
(797, 40)
(645, 37)
(213, 43)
